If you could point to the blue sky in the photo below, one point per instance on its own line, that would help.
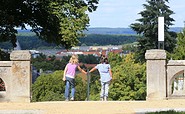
(121, 13)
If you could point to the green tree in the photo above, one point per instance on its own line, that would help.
(129, 80)
(179, 52)
(95, 86)
(88, 59)
(50, 87)
(81, 88)
(130, 47)
(61, 21)
(147, 27)
(114, 59)
(4, 56)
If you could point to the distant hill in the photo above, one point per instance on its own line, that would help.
(176, 29)
(102, 30)
(94, 36)
(110, 31)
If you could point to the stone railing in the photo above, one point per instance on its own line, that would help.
(16, 75)
(156, 74)
(165, 79)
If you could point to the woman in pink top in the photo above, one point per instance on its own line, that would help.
(69, 76)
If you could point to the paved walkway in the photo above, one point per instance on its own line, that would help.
(92, 107)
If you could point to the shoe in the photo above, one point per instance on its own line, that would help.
(67, 99)
(105, 98)
(101, 99)
(72, 99)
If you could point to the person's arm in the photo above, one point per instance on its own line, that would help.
(110, 72)
(81, 70)
(93, 69)
(64, 75)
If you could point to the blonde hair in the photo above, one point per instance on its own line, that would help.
(74, 59)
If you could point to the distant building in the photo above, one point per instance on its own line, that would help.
(34, 53)
(91, 50)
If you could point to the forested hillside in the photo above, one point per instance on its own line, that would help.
(103, 30)
(101, 40)
(94, 36)
(28, 40)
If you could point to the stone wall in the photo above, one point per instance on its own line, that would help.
(156, 74)
(164, 76)
(174, 69)
(16, 75)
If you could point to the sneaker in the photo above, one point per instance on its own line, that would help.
(101, 99)
(72, 99)
(67, 99)
(105, 98)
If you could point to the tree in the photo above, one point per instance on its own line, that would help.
(179, 52)
(60, 21)
(88, 59)
(129, 80)
(114, 59)
(4, 56)
(50, 87)
(147, 27)
(130, 47)
(95, 86)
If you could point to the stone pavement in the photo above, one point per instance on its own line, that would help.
(92, 107)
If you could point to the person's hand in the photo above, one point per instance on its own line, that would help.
(64, 79)
(85, 73)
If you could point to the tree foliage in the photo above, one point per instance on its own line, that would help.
(52, 64)
(179, 52)
(129, 80)
(4, 56)
(27, 42)
(50, 87)
(60, 21)
(88, 59)
(95, 86)
(130, 47)
(147, 27)
(114, 59)
(104, 39)
(49, 63)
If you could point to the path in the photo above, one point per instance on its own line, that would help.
(91, 107)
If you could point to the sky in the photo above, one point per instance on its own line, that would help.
(122, 13)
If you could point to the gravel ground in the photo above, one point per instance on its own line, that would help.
(92, 107)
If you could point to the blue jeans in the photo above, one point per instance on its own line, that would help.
(70, 84)
(104, 89)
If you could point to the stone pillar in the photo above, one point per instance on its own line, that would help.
(21, 76)
(156, 74)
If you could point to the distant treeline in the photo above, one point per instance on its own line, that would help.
(28, 43)
(100, 40)
(31, 41)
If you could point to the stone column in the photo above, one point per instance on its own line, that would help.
(21, 76)
(156, 74)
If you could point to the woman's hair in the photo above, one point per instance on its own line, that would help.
(104, 60)
(74, 59)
